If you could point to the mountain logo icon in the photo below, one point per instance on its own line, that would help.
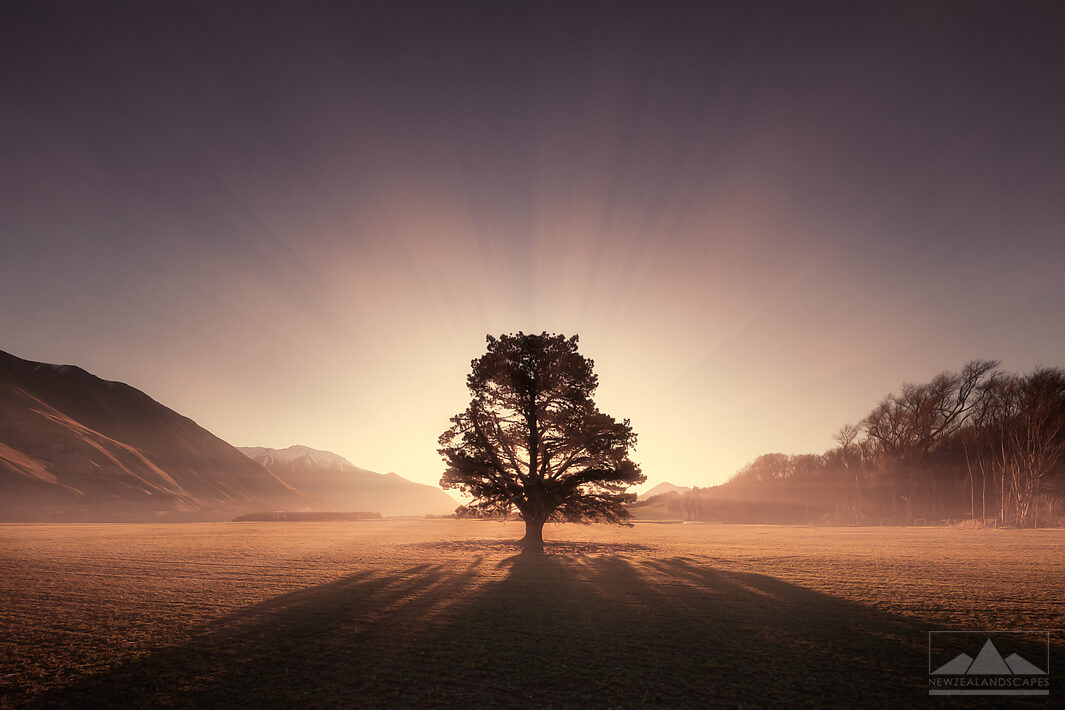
(990, 672)
(988, 662)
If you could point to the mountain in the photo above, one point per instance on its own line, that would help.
(1021, 666)
(662, 489)
(76, 447)
(988, 662)
(346, 487)
(956, 666)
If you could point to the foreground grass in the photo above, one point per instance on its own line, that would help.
(444, 613)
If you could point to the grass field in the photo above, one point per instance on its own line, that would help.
(445, 613)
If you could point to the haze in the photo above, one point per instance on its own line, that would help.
(299, 227)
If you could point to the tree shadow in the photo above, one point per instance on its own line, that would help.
(309, 648)
(557, 631)
(552, 547)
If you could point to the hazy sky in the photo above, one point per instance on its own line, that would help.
(296, 223)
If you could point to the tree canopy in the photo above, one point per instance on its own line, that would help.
(532, 441)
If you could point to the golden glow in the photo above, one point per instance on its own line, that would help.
(304, 234)
(352, 329)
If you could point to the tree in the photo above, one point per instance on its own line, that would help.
(533, 441)
(1032, 433)
(765, 468)
(846, 436)
(908, 426)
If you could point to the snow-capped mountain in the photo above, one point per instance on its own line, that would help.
(76, 447)
(662, 489)
(346, 487)
(296, 455)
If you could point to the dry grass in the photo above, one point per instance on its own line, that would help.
(444, 613)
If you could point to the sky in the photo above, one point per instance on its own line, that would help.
(297, 222)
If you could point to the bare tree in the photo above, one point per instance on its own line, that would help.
(907, 426)
(849, 459)
(1034, 435)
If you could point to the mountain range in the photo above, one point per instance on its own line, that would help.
(989, 662)
(74, 447)
(347, 487)
(662, 489)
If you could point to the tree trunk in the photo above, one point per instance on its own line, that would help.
(1002, 497)
(972, 483)
(534, 535)
(857, 497)
(983, 496)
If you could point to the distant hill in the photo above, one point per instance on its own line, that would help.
(76, 447)
(342, 486)
(661, 489)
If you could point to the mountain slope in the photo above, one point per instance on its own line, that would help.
(346, 487)
(661, 489)
(76, 447)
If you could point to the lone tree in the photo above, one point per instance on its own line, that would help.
(533, 441)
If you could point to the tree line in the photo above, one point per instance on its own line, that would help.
(979, 445)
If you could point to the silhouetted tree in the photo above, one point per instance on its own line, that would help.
(909, 425)
(931, 446)
(691, 502)
(765, 468)
(532, 439)
(1031, 435)
(849, 459)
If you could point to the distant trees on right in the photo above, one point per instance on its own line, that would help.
(1018, 437)
(977, 444)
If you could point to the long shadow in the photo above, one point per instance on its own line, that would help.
(557, 631)
(309, 648)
